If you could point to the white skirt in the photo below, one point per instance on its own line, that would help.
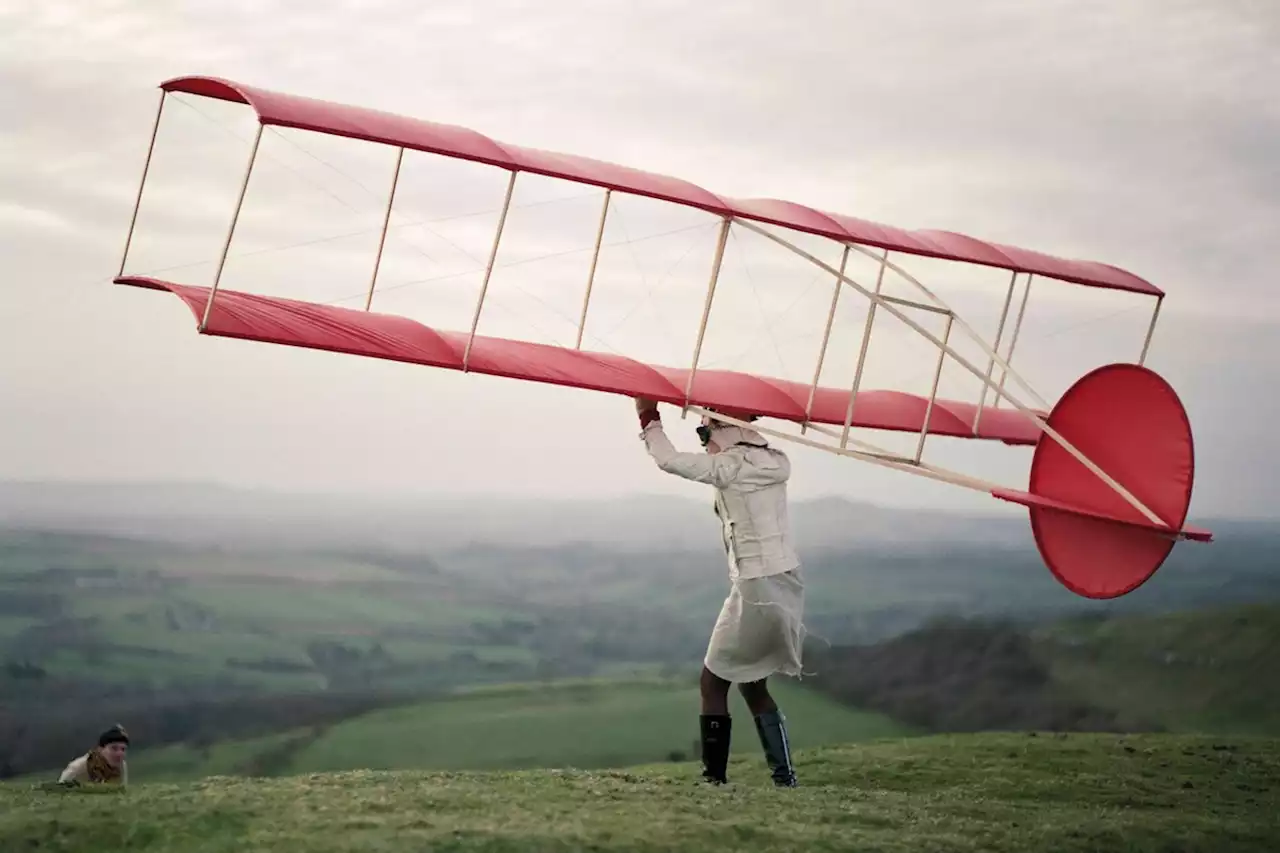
(760, 630)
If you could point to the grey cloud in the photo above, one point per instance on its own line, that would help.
(1138, 134)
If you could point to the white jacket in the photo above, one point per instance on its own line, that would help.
(751, 500)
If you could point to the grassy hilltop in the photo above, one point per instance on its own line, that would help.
(1010, 792)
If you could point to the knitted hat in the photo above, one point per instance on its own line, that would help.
(115, 734)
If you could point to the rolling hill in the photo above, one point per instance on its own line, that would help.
(1210, 670)
(1201, 671)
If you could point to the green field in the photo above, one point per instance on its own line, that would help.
(1145, 794)
(1211, 670)
(587, 724)
(162, 615)
(11, 625)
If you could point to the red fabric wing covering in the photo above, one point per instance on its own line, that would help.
(560, 366)
(284, 110)
(355, 332)
(1130, 422)
(304, 324)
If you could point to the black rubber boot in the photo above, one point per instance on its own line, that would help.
(772, 728)
(716, 729)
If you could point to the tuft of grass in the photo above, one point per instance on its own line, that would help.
(1002, 792)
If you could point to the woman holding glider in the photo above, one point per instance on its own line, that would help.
(759, 631)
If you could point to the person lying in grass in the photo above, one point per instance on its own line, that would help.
(105, 764)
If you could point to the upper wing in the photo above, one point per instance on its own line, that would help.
(285, 110)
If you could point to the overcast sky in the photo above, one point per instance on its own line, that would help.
(1145, 134)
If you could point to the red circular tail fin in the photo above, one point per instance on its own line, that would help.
(1129, 422)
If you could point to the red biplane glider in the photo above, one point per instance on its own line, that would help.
(1113, 461)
